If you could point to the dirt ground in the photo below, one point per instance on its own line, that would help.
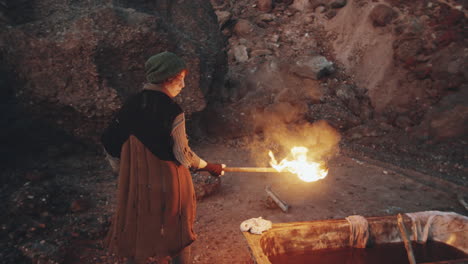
(354, 185)
(57, 201)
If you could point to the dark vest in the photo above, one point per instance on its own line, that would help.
(148, 115)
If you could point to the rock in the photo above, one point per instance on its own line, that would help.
(406, 50)
(260, 52)
(301, 5)
(240, 53)
(448, 63)
(331, 14)
(382, 15)
(223, 17)
(337, 3)
(76, 67)
(320, 9)
(274, 38)
(266, 17)
(265, 5)
(313, 67)
(345, 92)
(243, 28)
(205, 185)
(446, 120)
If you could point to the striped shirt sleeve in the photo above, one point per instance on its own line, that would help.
(181, 149)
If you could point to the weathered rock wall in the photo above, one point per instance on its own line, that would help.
(74, 63)
(409, 56)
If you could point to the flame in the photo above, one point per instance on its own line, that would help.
(307, 171)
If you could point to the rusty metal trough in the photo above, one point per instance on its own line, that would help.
(284, 238)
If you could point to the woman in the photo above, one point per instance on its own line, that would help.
(156, 199)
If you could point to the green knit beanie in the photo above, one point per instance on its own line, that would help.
(163, 66)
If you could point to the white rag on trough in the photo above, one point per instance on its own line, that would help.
(440, 226)
(358, 231)
(255, 225)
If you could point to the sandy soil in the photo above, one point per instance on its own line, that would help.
(354, 186)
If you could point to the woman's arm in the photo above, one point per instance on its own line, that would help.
(181, 149)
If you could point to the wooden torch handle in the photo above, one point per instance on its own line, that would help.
(249, 169)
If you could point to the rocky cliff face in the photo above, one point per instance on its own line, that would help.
(74, 62)
(386, 62)
(394, 64)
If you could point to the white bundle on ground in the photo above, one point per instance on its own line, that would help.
(255, 225)
(447, 227)
(359, 231)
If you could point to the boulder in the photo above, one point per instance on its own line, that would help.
(446, 120)
(223, 17)
(407, 49)
(243, 28)
(382, 15)
(74, 64)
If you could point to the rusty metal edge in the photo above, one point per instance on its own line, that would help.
(259, 257)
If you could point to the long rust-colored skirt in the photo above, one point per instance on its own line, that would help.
(155, 206)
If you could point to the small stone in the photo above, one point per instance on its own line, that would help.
(260, 52)
(265, 5)
(266, 17)
(313, 67)
(240, 53)
(382, 15)
(320, 9)
(243, 28)
(275, 38)
(223, 17)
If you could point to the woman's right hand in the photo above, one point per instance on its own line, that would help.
(214, 169)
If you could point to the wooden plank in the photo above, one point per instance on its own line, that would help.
(404, 236)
